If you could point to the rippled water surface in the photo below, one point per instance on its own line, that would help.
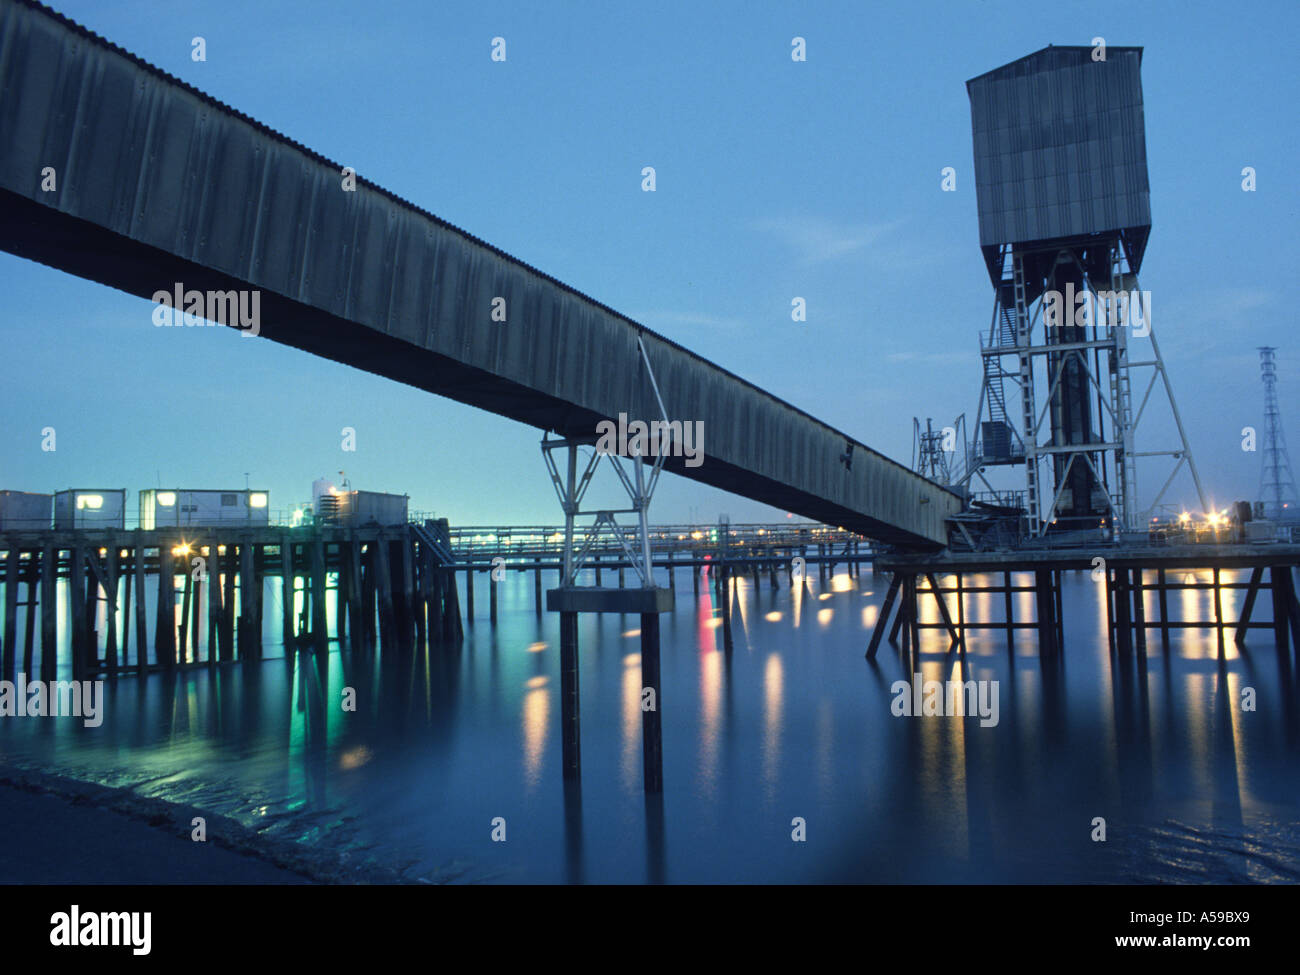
(790, 723)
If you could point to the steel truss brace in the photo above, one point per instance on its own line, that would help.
(638, 484)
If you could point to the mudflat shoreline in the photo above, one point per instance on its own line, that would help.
(64, 831)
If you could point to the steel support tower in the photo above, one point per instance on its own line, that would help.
(1060, 172)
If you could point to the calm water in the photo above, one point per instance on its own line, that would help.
(792, 722)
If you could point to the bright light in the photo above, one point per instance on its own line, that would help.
(257, 499)
(92, 501)
(1184, 518)
(183, 549)
(697, 535)
(166, 498)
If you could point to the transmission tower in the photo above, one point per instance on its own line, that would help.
(1276, 482)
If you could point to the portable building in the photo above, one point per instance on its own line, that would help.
(24, 511)
(204, 508)
(90, 508)
(358, 508)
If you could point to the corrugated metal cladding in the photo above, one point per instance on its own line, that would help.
(178, 184)
(1060, 146)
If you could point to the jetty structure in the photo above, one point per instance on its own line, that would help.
(163, 189)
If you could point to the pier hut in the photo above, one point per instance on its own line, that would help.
(206, 508)
(90, 508)
(357, 508)
(25, 511)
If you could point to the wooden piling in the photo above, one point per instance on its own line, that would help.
(350, 556)
(186, 596)
(1140, 612)
(29, 617)
(1218, 611)
(128, 587)
(1009, 610)
(1279, 575)
(110, 612)
(319, 617)
(1123, 619)
(286, 592)
(77, 599)
(384, 588)
(370, 593)
(141, 614)
(882, 621)
(165, 618)
(9, 664)
(196, 610)
(570, 710)
(537, 586)
(651, 726)
(49, 612)
(229, 567)
(408, 593)
(1164, 607)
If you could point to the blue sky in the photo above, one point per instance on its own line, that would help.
(775, 179)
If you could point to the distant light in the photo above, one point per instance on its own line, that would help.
(93, 501)
(774, 616)
(257, 499)
(183, 549)
(166, 498)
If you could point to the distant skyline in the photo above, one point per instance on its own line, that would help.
(775, 179)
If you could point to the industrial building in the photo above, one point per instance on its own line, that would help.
(1064, 219)
(202, 508)
(90, 508)
(332, 506)
(24, 511)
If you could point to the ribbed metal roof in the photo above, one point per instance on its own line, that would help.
(1060, 147)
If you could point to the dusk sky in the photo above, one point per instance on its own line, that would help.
(775, 179)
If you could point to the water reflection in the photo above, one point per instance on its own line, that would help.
(443, 739)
